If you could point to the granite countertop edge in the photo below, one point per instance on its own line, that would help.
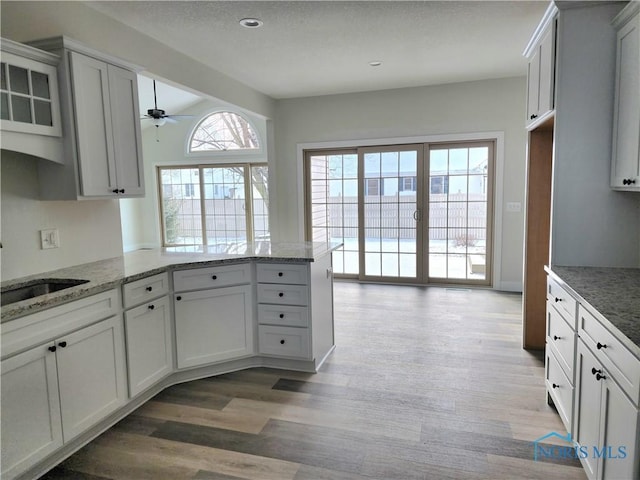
(104, 275)
(592, 287)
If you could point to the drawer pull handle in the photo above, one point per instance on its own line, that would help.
(600, 377)
(281, 294)
(62, 344)
(532, 116)
(280, 274)
(149, 289)
(151, 307)
(555, 385)
(282, 315)
(600, 346)
(558, 299)
(555, 337)
(628, 181)
(178, 298)
(594, 371)
(52, 348)
(214, 277)
(282, 342)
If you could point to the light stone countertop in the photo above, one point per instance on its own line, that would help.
(614, 293)
(111, 273)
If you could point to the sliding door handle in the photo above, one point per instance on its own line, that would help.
(417, 215)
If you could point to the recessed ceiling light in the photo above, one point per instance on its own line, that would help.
(251, 22)
(375, 63)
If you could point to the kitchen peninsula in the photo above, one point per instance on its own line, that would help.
(77, 360)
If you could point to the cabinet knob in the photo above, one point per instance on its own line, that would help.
(558, 299)
(151, 307)
(214, 277)
(533, 115)
(121, 190)
(555, 337)
(555, 385)
(115, 190)
(62, 344)
(600, 346)
(178, 298)
(149, 289)
(600, 377)
(594, 371)
(280, 274)
(282, 342)
(628, 181)
(52, 348)
(282, 315)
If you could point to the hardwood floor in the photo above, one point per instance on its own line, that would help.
(425, 383)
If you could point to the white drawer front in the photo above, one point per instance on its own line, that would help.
(284, 341)
(563, 339)
(620, 362)
(145, 289)
(211, 277)
(560, 389)
(25, 332)
(564, 302)
(288, 316)
(291, 273)
(283, 294)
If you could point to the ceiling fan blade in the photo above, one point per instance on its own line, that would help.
(169, 119)
(183, 116)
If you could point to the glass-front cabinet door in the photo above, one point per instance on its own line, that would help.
(28, 94)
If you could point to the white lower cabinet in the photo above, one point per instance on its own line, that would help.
(149, 344)
(213, 325)
(607, 422)
(53, 392)
(31, 421)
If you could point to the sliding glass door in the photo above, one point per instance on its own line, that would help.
(418, 213)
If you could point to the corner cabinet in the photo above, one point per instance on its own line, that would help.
(99, 104)
(541, 57)
(625, 166)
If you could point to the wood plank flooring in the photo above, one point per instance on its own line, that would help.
(425, 383)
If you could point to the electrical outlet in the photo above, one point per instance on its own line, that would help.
(49, 238)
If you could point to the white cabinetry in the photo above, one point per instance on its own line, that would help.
(61, 374)
(214, 321)
(29, 102)
(149, 331)
(625, 167)
(99, 96)
(540, 55)
(560, 351)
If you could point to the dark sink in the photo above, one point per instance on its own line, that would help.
(36, 288)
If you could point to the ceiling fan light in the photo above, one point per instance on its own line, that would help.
(251, 22)
(158, 122)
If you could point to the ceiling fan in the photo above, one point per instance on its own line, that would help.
(158, 116)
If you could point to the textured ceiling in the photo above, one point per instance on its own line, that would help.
(308, 48)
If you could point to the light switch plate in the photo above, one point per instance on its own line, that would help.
(514, 206)
(49, 238)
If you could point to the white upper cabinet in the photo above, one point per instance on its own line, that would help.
(625, 166)
(541, 58)
(29, 102)
(99, 96)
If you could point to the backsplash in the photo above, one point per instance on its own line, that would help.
(88, 231)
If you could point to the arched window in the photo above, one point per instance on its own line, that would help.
(222, 131)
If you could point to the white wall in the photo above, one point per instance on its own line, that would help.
(141, 217)
(492, 105)
(89, 231)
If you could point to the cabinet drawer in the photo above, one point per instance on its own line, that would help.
(623, 366)
(560, 389)
(291, 273)
(135, 293)
(25, 332)
(564, 302)
(283, 294)
(283, 341)
(212, 277)
(288, 316)
(563, 339)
